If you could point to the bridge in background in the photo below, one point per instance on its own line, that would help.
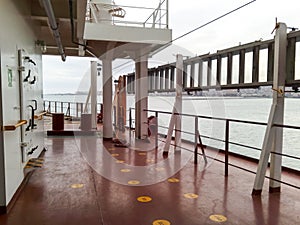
(244, 66)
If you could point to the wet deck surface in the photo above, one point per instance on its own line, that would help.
(74, 186)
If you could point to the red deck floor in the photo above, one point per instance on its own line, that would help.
(73, 187)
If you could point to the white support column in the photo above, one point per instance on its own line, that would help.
(94, 94)
(177, 108)
(107, 99)
(141, 97)
(273, 136)
(278, 97)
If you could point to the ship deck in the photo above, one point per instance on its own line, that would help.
(78, 184)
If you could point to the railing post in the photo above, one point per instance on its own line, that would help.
(167, 14)
(156, 128)
(49, 107)
(153, 21)
(130, 121)
(226, 147)
(69, 109)
(77, 109)
(196, 141)
(61, 107)
(55, 106)
(160, 6)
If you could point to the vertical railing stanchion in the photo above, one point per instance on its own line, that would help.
(196, 141)
(156, 130)
(81, 108)
(49, 107)
(55, 106)
(77, 107)
(69, 108)
(226, 147)
(61, 107)
(167, 14)
(130, 121)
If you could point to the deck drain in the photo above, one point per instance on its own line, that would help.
(120, 161)
(125, 170)
(161, 222)
(144, 199)
(142, 153)
(218, 218)
(115, 154)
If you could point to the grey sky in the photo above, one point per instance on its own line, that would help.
(254, 22)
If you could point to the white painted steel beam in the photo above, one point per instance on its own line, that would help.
(141, 96)
(273, 136)
(107, 98)
(94, 93)
(178, 109)
(175, 120)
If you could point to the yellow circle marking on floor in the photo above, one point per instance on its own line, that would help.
(161, 222)
(144, 199)
(125, 170)
(111, 149)
(160, 169)
(190, 195)
(116, 154)
(120, 161)
(218, 218)
(173, 180)
(134, 148)
(77, 185)
(133, 182)
(150, 160)
(142, 153)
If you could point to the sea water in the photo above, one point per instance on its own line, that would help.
(248, 109)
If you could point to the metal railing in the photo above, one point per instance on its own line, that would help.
(70, 109)
(129, 15)
(226, 140)
(247, 66)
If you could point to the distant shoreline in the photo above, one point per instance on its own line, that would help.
(185, 97)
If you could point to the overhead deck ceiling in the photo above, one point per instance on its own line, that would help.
(62, 13)
(61, 9)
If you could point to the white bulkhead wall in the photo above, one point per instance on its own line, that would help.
(17, 33)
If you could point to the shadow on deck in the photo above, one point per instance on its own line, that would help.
(85, 180)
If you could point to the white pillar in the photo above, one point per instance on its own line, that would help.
(278, 99)
(141, 97)
(94, 93)
(179, 75)
(175, 120)
(273, 136)
(107, 99)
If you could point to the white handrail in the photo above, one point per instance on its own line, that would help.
(159, 15)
